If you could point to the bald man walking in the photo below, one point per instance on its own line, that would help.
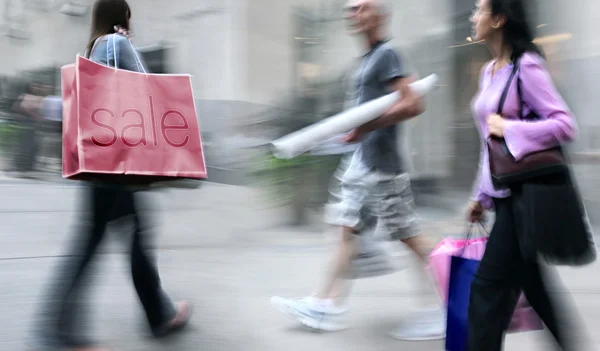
(375, 188)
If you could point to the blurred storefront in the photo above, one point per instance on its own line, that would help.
(250, 59)
(256, 61)
(568, 33)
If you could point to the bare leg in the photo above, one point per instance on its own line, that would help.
(422, 246)
(429, 322)
(336, 286)
(335, 280)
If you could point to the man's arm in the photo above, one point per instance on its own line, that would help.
(410, 105)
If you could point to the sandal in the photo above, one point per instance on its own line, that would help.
(179, 322)
(70, 346)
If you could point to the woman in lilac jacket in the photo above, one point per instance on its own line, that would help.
(503, 271)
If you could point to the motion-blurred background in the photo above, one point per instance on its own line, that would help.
(263, 68)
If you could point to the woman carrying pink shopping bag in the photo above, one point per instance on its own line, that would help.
(523, 176)
(453, 264)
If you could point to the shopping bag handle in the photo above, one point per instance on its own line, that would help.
(137, 58)
(470, 229)
(475, 227)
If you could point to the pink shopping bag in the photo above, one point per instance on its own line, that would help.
(126, 126)
(524, 318)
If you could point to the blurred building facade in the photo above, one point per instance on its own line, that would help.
(568, 33)
(240, 53)
(249, 56)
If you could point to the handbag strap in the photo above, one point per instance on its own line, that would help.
(532, 115)
(507, 87)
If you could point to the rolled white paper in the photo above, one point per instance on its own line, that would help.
(305, 139)
(334, 146)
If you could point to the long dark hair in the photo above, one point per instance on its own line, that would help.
(517, 31)
(106, 15)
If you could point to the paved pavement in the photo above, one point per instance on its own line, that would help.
(221, 248)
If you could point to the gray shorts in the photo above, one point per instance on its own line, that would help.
(364, 202)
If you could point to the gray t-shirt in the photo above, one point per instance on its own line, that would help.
(379, 150)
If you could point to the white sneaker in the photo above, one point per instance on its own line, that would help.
(426, 325)
(312, 313)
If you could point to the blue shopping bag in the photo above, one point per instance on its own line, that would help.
(462, 272)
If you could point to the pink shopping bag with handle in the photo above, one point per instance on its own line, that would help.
(524, 318)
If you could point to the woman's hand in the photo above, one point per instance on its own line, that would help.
(475, 212)
(122, 31)
(495, 125)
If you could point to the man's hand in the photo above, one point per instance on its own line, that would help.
(356, 135)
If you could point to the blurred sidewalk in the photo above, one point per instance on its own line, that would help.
(217, 246)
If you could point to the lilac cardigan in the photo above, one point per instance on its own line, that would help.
(555, 126)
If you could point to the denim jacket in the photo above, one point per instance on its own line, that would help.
(112, 46)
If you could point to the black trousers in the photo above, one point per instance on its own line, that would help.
(502, 275)
(107, 204)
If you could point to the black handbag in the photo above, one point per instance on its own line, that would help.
(505, 170)
(549, 212)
